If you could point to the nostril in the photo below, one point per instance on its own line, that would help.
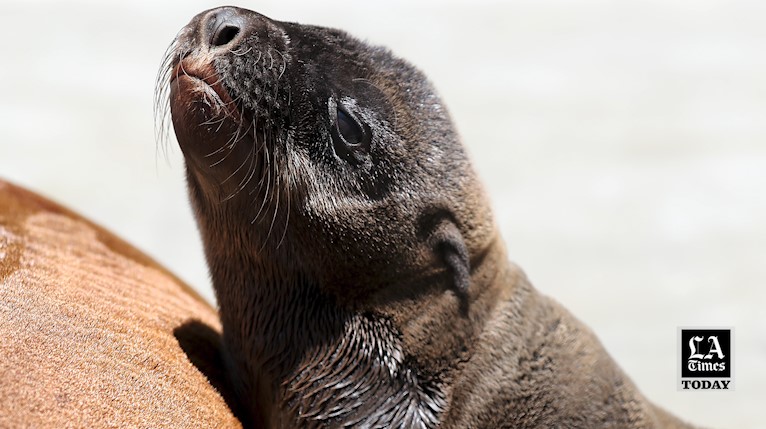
(223, 26)
(224, 34)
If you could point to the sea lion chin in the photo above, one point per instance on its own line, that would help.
(360, 276)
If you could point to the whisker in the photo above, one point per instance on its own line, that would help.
(161, 105)
(288, 186)
(241, 54)
(267, 174)
(250, 169)
(251, 157)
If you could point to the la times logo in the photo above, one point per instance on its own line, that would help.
(705, 359)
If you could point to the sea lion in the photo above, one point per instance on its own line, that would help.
(361, 279)
(94, 334)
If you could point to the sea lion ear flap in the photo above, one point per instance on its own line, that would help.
(449, 246)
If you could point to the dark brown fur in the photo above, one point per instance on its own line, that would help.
(361, 280)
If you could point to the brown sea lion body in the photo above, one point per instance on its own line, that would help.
(94, 334)
(360, 275)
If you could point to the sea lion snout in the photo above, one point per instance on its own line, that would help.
(224, 27)
(224, 78)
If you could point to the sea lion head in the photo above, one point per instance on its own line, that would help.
(322, 154)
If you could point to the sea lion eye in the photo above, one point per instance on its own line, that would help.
(351, 138)
(349, 129)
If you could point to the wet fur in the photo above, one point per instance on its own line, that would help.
(372, 293)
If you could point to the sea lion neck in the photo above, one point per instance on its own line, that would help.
(301, 353)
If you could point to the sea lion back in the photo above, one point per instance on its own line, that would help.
(95, 334)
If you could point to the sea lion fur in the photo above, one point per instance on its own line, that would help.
(93, 333)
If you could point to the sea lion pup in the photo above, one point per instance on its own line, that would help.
(361, 279)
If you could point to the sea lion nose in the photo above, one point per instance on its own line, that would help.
(222, 26)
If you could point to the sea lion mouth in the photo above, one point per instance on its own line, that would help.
(204, 114)
(196, 80)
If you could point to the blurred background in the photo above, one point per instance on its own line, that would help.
(623, 145)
